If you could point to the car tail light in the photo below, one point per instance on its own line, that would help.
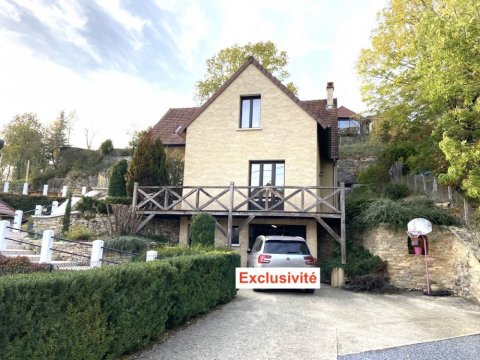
(309, 260)
(264, 259)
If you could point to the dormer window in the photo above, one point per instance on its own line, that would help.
(250, 112)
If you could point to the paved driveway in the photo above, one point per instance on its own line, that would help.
(294, 325)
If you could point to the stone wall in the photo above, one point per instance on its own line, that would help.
(350, 167)
(168, 228)
(452, 262)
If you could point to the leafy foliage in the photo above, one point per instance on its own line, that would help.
(106, 148)
(148, 163)
(56, 138)
(420, 73)
(135, 244)
(202, 230)
(397, 191)
(223, 65)
(79, 232)
(117, 185)
(104, 313)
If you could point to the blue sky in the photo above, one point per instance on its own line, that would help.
(121, 64)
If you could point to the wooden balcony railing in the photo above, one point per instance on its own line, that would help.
(239, 199)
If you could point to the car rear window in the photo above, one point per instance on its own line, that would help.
(286, 247)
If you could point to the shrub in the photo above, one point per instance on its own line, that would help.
(104, 313)
(397, 191)
(19, 265)
(173, 251)
(374, 174)
(202, 230)
(135, 244)
(79, 232)
(28, 202)
(66, 215)
(106, 148)
(117, 185)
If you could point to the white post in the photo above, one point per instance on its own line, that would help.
(6, 186)
(54, 206)
(84, 190)
(25, 189)
(46, 251)
(45, 190)
(64, 191)
(17, 220)
(97, 254)
(3, 234)
(38, 210)
(151, 255)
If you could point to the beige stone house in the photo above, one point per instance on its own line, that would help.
(258, 159)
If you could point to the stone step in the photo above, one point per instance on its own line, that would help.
(16, 252)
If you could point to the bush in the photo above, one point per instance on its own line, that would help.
(88, 204)
(397, 191)
(28, 202)
(106, 148)
(79, 232)
(374, 174)
(202, 230)
(19, 265)
(135, 244)
(104, 313)
(173, 251)
(66, 215)
(117, 185)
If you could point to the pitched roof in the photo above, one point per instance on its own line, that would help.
(344, 112)
(286, 91)
(6, 209)
(167, 128)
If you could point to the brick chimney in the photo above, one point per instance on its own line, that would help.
(330, 95)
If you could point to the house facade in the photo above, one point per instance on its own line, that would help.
(258, 159)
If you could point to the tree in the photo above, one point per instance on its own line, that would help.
(56, 138)
(224, 64)
(24, 140)
(117, 185)
(67, 214)
(421, 72)
(148, 163)
(202, 230)
(106, 148)
(175, 167)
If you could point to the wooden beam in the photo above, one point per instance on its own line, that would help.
(135, 194)
(230, 217)
(343, 242)
(144, 222)
(221, 228)
(329, 229)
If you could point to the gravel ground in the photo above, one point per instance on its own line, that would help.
(294, 325)
(463, 348)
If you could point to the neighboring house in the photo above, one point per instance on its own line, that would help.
(258, 159)
(347, 120)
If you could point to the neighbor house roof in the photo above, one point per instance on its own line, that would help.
(6, 210)
(167, 128)
(345, 113)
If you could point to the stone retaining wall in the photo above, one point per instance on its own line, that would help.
(453, 262)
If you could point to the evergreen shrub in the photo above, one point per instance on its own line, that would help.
(106, 312)
(117, 185)
(202, 230)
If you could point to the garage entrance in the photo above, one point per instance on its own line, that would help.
(274, 229)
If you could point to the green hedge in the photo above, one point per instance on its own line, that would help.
(28, 202)
(103, 313)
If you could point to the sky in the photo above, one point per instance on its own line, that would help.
(118, 66)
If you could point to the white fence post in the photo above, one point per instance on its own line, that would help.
(45, 190)
(3, 234)
(46, 251)
(84, 190)
(25, 189)
(64, 191)
(97, 254)
(17, 220)
(151, 255)
(6, 186)
(54, 206)
(38, 210)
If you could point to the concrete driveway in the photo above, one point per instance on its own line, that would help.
(332, 322)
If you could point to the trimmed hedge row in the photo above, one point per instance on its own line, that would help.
(103, 313)
(28, 202)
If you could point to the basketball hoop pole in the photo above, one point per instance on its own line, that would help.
(427, 275)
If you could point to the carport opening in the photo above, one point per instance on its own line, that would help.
(274, 229)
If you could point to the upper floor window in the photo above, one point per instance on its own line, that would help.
(250, 112)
